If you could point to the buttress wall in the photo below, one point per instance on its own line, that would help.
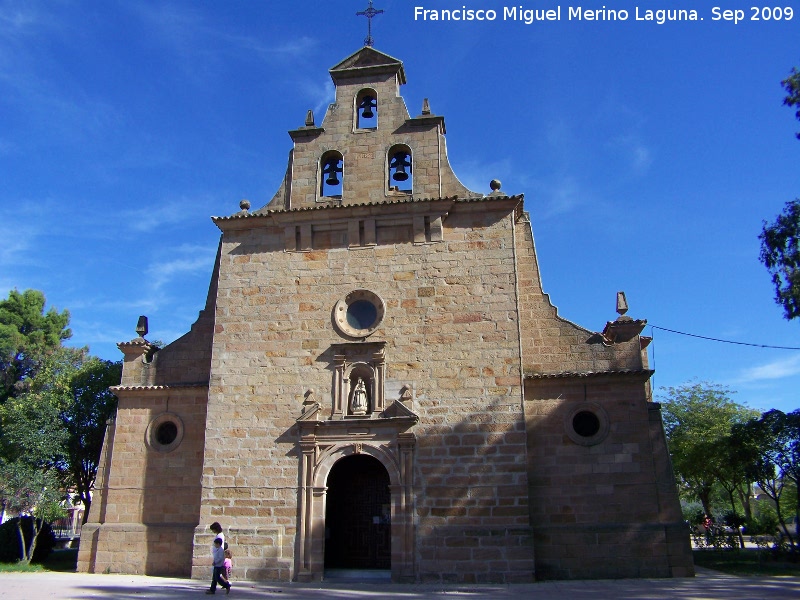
(146, 502)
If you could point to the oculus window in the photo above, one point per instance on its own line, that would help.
(164, 433)
(359, 313)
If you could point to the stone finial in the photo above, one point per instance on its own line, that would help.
(310, 118)
(426, 107)
(622, 303)
(406, 395)
(244, 205)
(624, 328)
(495, 184)
(141, 326)
(309, 400)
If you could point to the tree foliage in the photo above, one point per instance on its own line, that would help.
(771, 444)
(780, 249)
(780, 253)
(697, 420)
(792, 86)
(54, 404)
(30, 491)
(58, 425)
(90, 405)
(27, 335)
(11, 550)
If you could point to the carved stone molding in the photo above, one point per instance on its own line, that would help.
(351, 362)
(386, 437)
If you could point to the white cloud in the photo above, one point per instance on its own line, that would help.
(187, 261)
(633, 151)
(561, 198)
(289, 50)
(192, 38)
(476, 175)
(16, 241)
(778, 369)
(321, 94)
(168, 212)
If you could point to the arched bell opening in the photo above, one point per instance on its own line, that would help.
(366, 109)
(400, 169)
(358, 515)
(331, 175)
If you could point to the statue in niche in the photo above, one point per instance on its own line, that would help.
(358, 405)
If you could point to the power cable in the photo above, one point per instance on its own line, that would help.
(703, 337)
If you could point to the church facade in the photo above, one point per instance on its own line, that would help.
(378, 383)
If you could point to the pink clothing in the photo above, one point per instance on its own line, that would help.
(227, 566)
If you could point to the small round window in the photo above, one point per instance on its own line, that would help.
(587, 424)
(362, 314)
(165, 432)
(359, 313)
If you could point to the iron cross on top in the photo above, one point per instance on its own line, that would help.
(370, 13)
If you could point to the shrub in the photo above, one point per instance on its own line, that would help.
(10, 549)
(764, 523)
(732, 519)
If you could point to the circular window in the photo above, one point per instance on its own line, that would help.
(165, 432)
(587, 424)
(359, 313)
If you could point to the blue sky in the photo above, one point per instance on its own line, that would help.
(649, 155)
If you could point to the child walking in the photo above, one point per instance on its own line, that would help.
(218, 557)
(228, 566)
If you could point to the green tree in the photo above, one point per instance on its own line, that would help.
(697, 420)
(59, 423)
(729, 464)
(792, 86)
(30, 491)
(773, 445)
(84, 416)
(780, 251)
(31, 448)
(27, 335)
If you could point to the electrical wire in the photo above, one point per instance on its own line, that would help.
(703, 337)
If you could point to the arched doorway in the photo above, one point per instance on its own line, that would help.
(358, 515)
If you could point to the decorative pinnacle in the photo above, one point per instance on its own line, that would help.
(370, 13)
(622, 303)
(141, 326)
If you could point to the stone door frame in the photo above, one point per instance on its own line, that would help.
(320, 450)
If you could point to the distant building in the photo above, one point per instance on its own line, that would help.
(378, 382)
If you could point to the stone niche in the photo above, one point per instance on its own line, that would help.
(359, 368)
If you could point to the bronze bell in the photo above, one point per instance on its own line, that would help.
(366, 106)
(331, 169)
(399, 163)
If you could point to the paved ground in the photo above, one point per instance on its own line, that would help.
(707, 585)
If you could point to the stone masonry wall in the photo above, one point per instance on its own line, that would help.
(146, 503)
(609, 509)
(364, 151)
(550, 343)
(451, 333)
